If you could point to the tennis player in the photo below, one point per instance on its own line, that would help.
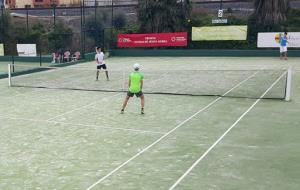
(99, 58)
(135, 86)
(283, 46)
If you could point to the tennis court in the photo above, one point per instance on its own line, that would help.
(3, 67)
(20, 61)
(57, 135)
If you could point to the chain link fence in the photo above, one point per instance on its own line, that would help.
(97, 23)
(79, 28)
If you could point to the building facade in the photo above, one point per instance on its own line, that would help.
(10, 3)
(49, 3)
(97, 2)
(42, 3)
(67, 3)
(38, 3)
(23, 3)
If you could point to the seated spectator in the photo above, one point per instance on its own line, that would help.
(56, 57)
(67, 55)
(76, 56)
(53, 57)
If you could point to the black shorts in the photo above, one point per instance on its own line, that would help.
(101, 67)
(139, 94)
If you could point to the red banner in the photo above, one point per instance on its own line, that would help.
(152, 40)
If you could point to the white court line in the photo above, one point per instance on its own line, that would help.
(167, 134)
(224, 134)
(79, 108)
(78, 124)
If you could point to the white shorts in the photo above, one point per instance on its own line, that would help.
(283, 49)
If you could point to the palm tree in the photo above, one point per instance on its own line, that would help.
(163, 15)
(269, 16)
(271, 12)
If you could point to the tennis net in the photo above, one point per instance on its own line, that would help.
(226, 83)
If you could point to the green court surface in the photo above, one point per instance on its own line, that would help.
(76, 139)
(4, 67)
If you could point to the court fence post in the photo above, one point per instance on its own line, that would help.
(288, 85)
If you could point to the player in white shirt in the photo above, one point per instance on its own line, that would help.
(99, 58)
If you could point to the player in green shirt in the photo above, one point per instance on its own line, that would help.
(135, 85)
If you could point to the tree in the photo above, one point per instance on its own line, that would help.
(60, 37)
(269, 16)
(33, 35)
(119, 21)
(163, 15)
(95, 29)
(271, 12)
(5, 25)
(6, 32)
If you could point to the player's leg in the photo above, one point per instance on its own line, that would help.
(142, 104)
(281, 52)
(129, 94)
(285, 54)
(125, 104)
(98, 71)
(97, 74)
(141, 95)
(106, 72)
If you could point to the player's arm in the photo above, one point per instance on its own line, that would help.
(96, 59)
(142, 83)
(129, 83)
(280, 39)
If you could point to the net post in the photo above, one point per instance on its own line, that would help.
(288, 85)
(9, 75)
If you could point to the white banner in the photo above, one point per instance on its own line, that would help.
(214, 33)
(1, 50)
(271, 39)
(26, 50)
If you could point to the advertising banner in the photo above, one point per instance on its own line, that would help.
(178, 39)
(1, 50)
(215, 33)
(271, 39)
(26, 50)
